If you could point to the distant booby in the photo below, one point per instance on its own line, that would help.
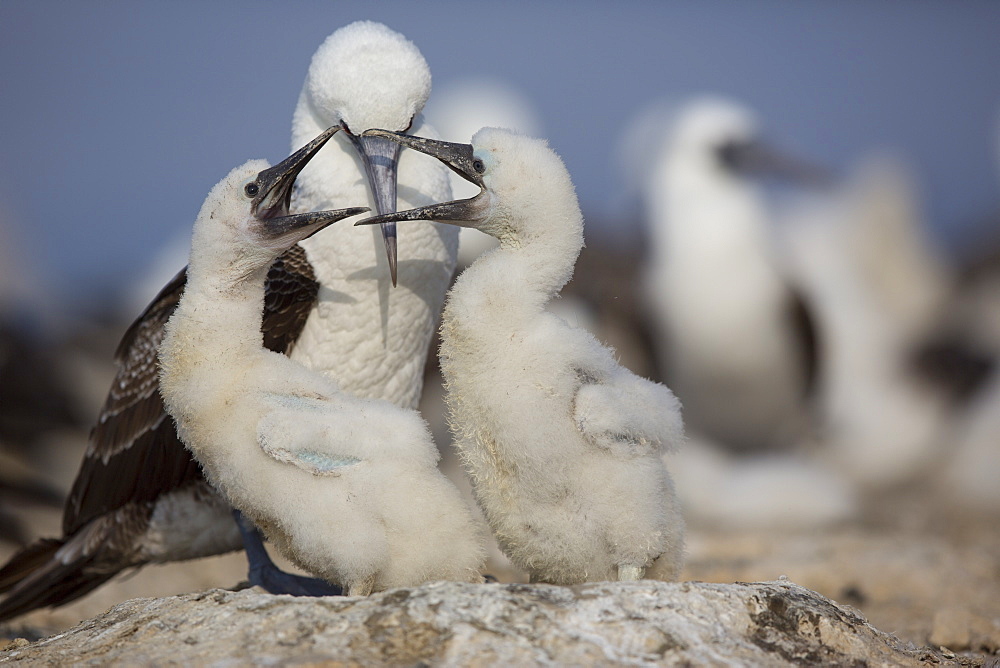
(563, 445)
(139, 496)
(347, 488)
(738, 345)
(879, 293)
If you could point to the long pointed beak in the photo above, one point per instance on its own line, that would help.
(461, 212)
(274, 185)
(285, 231)
(381, 160)
(460, 158)
(279, 230)
(757, 158)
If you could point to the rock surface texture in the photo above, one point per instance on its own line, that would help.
(454, 624)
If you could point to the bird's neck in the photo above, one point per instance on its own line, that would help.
(706, 214)
(221, 309)
(213, 336)
(528, 269)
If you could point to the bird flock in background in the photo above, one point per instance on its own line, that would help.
(792, 344)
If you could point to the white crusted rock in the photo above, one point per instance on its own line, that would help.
(458, 624)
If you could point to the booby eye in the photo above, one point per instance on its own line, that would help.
(478, 165)
(251, 189)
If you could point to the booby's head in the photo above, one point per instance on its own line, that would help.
(721, 139)
(367, 76)
(525, 189)
(247, 212)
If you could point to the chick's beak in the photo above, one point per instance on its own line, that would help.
(285, 231)
(381, 159)
(274, 185)
(270, 205)
(458, 157)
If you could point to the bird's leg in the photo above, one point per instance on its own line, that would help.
(363, 587)
(630, 573)
(265, 573)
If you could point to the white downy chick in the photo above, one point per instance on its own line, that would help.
(346, 488)
(563, 444)
(139, 497)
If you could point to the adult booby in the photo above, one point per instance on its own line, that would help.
(347, 488)
(738, 346)
(139, 496)
(563, 444)
(879, 292)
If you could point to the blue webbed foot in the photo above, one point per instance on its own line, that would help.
(265, 573)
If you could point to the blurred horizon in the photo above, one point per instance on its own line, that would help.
(120, 116)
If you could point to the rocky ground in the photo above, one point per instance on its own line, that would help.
(913, 563)
(913, 567)
(454, 624)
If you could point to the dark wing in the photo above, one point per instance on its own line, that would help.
(291, 294)
(807, 333)
(134, 455)
(955, 367)
(52, 572)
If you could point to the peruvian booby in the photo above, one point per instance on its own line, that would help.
(347, 488)
(879, 292)
(737, 343)
(139, 496)
(563, 445)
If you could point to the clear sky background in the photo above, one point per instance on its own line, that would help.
(117, 117)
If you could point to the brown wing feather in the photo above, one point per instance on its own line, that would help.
(52, 572)
(134, 454)
(291, 293)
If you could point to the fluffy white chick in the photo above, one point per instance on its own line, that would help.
(563, 444)
(347, 488)
(139, 497)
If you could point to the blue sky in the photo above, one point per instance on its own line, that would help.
(119, 116)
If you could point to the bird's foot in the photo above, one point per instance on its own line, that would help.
(276, 581)
(628, 573)
(265, 573)
(363, 587)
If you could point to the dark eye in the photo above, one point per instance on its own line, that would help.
(251, 189)
(478, 165)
